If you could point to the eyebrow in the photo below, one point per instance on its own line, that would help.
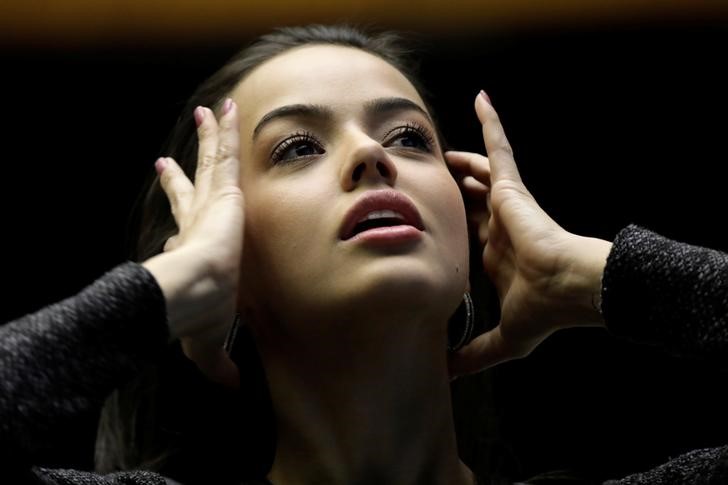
(375, 107)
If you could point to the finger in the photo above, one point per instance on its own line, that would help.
(477, 211)
(227, 167)
(478, 226)
(500, 153)
(207, 135)
(469, 163)
(483, 230)
(477, 214)
(485, 351)
(474, 189)
(171, 243)
(176, 186)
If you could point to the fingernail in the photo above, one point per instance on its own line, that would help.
(199, 115)
(486, 97)
(160, 165)
(227, 106)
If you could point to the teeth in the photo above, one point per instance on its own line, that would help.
(383, 214)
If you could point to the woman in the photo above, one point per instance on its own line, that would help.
(354, 257)
(339, 312)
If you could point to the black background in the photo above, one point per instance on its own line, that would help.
(610, 126)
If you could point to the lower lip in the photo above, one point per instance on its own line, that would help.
(386, 236)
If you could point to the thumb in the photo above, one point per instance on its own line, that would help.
(483, 352)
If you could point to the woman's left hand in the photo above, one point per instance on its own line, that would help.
(546, 277)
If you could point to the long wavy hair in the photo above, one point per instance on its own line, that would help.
(169, 419)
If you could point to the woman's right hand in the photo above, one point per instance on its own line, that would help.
(199, 269)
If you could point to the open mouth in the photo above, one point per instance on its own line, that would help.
(377, 219)
(381, 211)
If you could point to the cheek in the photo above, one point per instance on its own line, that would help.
(274, 227)
(458, 227)
(449, 208)
(284, 233)
(450, 230)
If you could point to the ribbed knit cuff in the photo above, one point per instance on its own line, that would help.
(671, 294)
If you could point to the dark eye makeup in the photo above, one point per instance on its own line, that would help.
(412, 135)
(303, 144)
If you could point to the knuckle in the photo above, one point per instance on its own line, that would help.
(225, 150)
(171, 243)
(174, 206)
(506, 189)
(166, 178)
(503, 148)
(207, 161)
(230, 192)
(205, 131)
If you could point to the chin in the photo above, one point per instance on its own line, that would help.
(406, 284)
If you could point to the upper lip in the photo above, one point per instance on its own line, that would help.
(376, 200)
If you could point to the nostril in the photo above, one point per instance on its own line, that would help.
(383, 170)
(357, 172)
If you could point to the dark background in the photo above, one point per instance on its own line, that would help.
(611, 125)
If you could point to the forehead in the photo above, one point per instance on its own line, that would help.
(340, 77)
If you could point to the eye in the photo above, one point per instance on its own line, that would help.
(300, 145)
(411, 136)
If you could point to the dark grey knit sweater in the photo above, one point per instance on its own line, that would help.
(62, 361)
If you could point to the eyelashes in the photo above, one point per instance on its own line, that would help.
(422, 137)
(303, 144)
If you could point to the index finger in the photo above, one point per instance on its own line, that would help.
(500, 153)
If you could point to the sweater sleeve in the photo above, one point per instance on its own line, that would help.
(61, 362)
(661, 292)
(673, 295)
(707, 466)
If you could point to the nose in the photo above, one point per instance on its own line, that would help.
(367, 163)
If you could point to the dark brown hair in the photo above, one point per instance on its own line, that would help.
(169, 419)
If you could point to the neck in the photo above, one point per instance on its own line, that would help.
(364, 410)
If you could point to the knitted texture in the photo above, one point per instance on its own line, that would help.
(75, 477)
(61, 362)
(674, 295)
(698, 467)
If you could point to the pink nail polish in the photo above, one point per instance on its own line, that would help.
(160, 165)
(199, 115)
(486, 97)
(227, 106)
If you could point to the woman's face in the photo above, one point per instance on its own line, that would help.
(323, 128)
